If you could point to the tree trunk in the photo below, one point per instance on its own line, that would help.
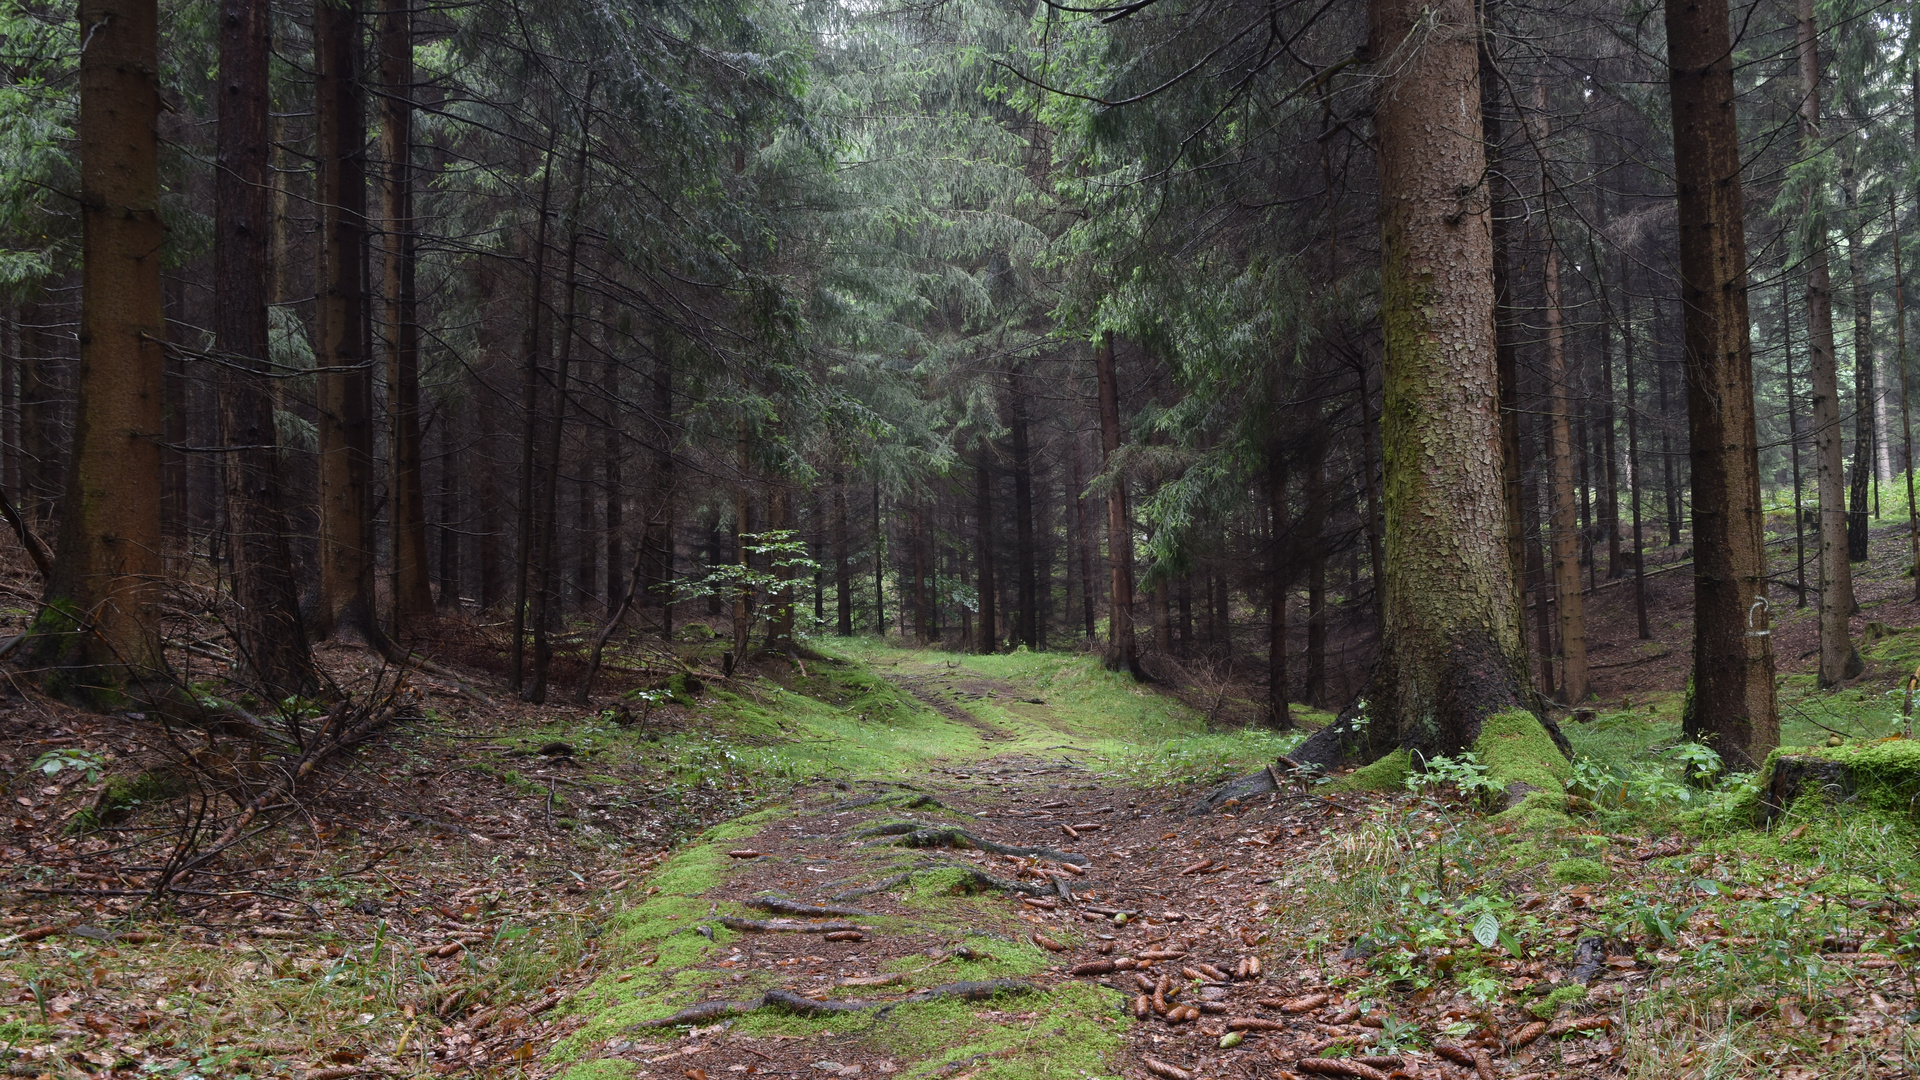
(344, 395)
(412, 595)
(1633, 447)
(983, 510)
(1279, 572)
(1563, 531)
(1122, 652)
(1609, 452)
(659, 535)
(1450, 640)
(100, 629)
(534, 348)
(1086, 539)
(1865, 400)
(842, 560)
(879, 567)
(1313, 546)
(922, 613)
(1793, 445)
(780, 596)
(271, 638)
(613, 511)
(1669, 487)
(1026, 627)
(546, 554)
(1732, 704)
(1906, 417)
(1839, 660)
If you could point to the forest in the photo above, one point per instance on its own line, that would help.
(1235, 537)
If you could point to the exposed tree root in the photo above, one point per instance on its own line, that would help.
(789, 1002)
(919, 834)
(911, 802)
(782, 926)
(891, 882)
(791, 907)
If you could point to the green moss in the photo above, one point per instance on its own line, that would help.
(1539, 811)
(1575, 871)
(1561, 995)
(599, 1069)
(1516, 749)
(122, 794)
(1388, 774)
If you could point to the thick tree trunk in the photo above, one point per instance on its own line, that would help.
(1122, 651)
(272, 640)
(1450, 640)
(1732, 704)
(100, 629)
(1865, 399)
(1839, 660)
(983, 510)
(344, 396)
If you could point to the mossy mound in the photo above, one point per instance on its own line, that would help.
(1388, 774)
(1516, 749)
(1579, 871)
(1883, 776)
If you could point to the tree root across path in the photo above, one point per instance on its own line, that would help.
(974, 876)
(783, 926)
(919, 834)
(789, 1002)
(780, 906)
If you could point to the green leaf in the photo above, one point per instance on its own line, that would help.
(1486, 929)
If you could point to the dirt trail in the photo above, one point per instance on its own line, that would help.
(1113, 878)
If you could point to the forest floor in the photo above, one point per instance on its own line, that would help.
(503, 890)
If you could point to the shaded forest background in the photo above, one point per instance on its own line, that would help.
(972, 324)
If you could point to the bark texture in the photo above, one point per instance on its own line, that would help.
(1839, 660)
(344, 393)
(1732, 704)
(1450, 641)
(99, 631)
(272, 639)
(1122, 649)
(412, 595)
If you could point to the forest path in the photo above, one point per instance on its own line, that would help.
(948, 960)
(1006, 916)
